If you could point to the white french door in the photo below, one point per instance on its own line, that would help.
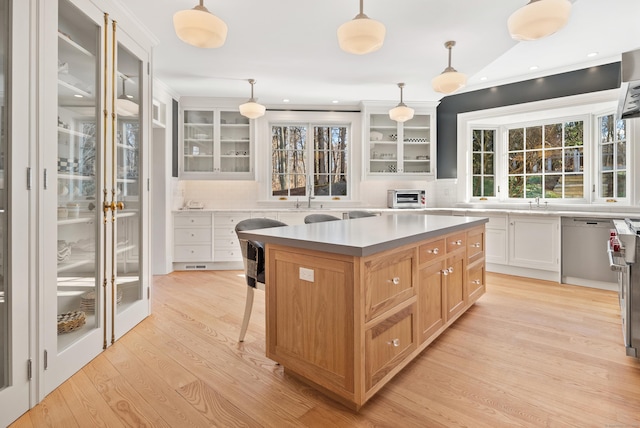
(16, 273)
(93, 251)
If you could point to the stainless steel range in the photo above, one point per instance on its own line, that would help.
(624, 252)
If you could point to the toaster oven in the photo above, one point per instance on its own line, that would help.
(406, 198)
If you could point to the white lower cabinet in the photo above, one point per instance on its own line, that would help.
(534, 242)
(192, 239)
(227, 248)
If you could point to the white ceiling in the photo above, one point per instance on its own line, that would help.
(290, 47)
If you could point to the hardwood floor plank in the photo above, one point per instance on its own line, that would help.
(528, 354)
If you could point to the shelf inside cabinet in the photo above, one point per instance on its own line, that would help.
(73, 133)
(67, 176)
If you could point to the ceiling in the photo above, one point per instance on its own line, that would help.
(290, 47)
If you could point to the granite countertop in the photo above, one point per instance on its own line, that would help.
(363, 236)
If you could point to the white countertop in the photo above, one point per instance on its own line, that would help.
(363, 236)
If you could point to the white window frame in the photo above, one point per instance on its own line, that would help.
(591, 105)
(595, 188)
(351, 120)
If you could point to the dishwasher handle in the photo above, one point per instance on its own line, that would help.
(616, 267)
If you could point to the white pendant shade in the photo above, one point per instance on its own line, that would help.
(538, 19)
(450, 80)
(126, 107)
(361, 35)
(200, 28)
(251, 108)
(401, 113)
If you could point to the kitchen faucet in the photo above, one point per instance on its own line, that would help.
(309, 190)
(310, 197)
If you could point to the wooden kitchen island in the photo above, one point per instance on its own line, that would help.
(351, 302)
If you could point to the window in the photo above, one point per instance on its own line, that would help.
(484, 182)
(292, 172)
(612, 162)
(546, 161)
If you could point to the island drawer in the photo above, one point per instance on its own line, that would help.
(431, 251)
(475, 244)
(456, 241)
(389, 280)
(388, 343)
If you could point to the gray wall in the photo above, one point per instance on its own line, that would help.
(592, 79)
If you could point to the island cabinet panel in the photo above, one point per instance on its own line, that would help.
(475, 281)
(310, 316)
(389, 279)
(454, 284)
(431, 304)
(389, 343)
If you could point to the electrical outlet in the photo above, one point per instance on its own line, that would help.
(306, 274)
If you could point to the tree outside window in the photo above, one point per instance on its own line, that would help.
(292, 172)
(483, 177)
(613, 157)
(546, 161)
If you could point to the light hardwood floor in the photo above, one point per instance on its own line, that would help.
(529, 353)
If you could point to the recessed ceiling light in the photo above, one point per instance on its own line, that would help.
(77, 95)
(533, 67)
(592, 54)
(286, 100)
(335, 101)
(483, 78)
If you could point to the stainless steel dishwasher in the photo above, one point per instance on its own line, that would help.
(584, 255)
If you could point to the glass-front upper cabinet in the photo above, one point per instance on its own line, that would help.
(400, 149)
(216, 144)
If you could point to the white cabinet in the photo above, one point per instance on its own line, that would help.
(396, 149)
(534, 242)
(227, 247)
(215, 144)
(96, 125)
(496, 240)
(193, 237)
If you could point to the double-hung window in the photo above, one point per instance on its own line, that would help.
(612, 157)
(483, 163)
(309, 159)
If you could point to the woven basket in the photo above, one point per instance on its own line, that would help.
(70, 321)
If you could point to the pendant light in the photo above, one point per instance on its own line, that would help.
(251, 108)
(199, 27)
(450, 80)
(361, 35)
(124, 105)
(538, 19)
(401, 113)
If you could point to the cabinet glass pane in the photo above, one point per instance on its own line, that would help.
(78, 166)
(198, 137)
(416, 145)
(235, 147)
(4, 175)
(128, 288)
(383, 144)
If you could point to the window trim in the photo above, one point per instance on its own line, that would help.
(554, 109)
(351, 120)
(596, 161)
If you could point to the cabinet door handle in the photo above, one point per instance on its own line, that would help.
(450, 269)
(395, 280)
(433, 251)
(445, 272)
(477, 245)
(476, 281)
(395, 343)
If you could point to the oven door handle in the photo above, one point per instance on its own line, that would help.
(612, 264)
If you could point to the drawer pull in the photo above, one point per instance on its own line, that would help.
(476, 281)
(445, 272)
(193, 234)
(450, 269)
(458, 242)
(434, 251)
(395, 343)
(395, 280)
(476, 245)
(193, 220)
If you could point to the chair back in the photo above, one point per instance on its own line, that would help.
(360, 214)
(253, 251)
(318, 218)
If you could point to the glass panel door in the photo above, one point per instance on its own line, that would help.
(235, 143)
(128, 288)
(198, 136)
(4, 295)
(78, 131)
(383, 144)
(416, 145)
